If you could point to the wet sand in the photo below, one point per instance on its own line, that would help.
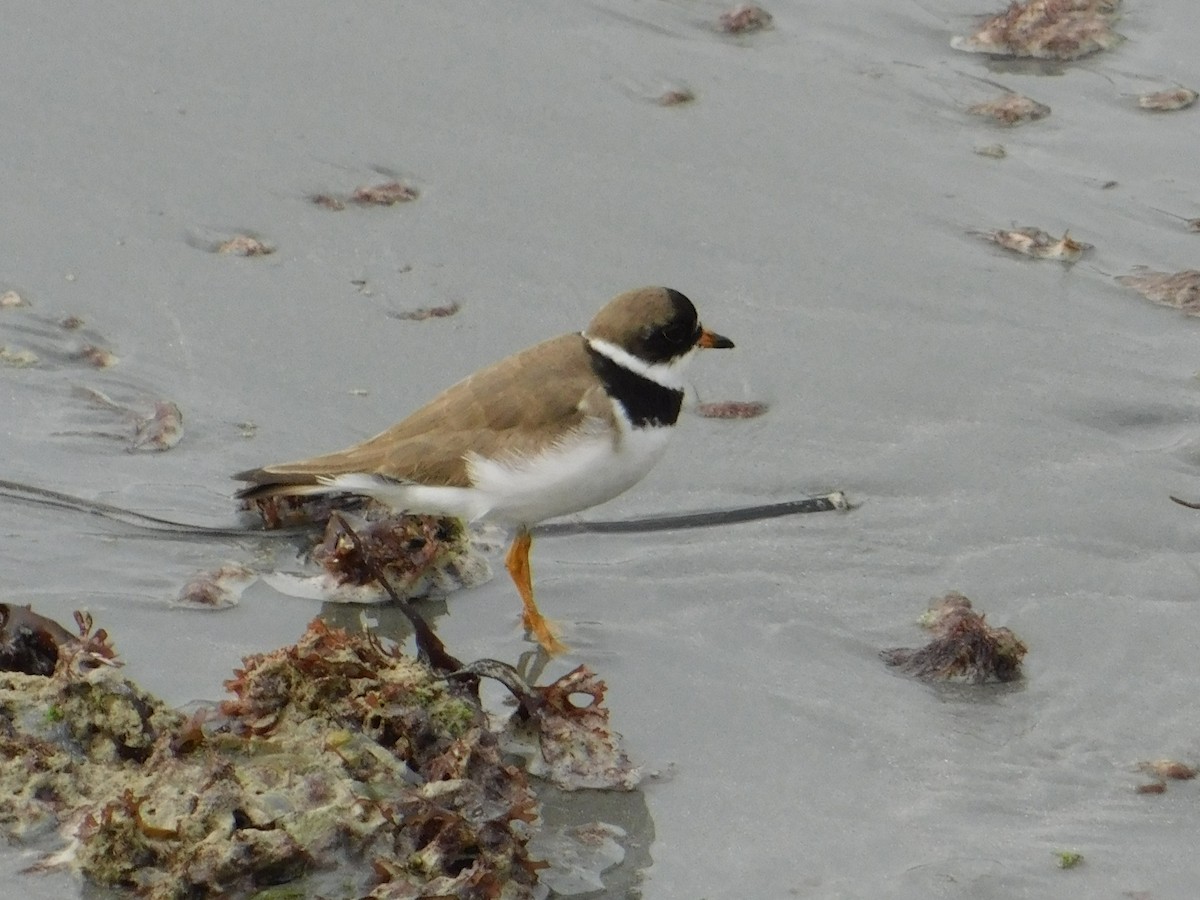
(1012, 427)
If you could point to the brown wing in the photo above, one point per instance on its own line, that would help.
(519, 405)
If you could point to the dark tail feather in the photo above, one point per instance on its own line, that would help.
(269, 484)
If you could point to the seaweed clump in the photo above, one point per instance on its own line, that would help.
(1179, 290)
(1046, 29)
(335, 750)
(1038, 244)
(1010, 109)
(744, 18)
(417, 554)
(562, 730)
(34, 645)
(1160, 770)
(964, 648)
(1168, 101)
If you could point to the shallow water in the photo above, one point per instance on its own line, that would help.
(1011, 427)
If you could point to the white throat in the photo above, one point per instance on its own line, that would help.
(668, 375)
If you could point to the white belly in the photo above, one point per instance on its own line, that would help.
(588, 470)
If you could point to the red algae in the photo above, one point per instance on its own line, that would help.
(1046, 29)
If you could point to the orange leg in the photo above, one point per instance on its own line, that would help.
(517, 563)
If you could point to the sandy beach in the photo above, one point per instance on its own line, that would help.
(1008, 427)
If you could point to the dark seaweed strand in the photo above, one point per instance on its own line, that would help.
(152, 526)
(647, 403)
(706, 519)
(157, 527)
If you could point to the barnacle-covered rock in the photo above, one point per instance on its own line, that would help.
(335, 749)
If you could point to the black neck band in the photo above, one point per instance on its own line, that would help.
(646, 402)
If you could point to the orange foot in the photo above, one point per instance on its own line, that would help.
(517, 563)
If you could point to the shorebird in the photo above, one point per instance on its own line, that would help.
(562, 426)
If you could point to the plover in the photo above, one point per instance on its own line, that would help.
(554, 429)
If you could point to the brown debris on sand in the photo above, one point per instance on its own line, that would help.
(1038, 244)
(389, 193)
(1168, 101)
(18, 357)
(427, 312)
(662, 92)
(1010, 109)
(58, 339)
(328, 201)
(1160, 770)
(244, 245)
(218, 588)
(676, 95)
(1168, 768)
(1178, 290)
(1192, 225)
(160, 430)
(96, 356)
(386, 193)
(1046, 29)
(731, 409)
(964, 647)
(744, 18)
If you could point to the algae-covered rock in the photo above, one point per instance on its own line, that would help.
(336, 749)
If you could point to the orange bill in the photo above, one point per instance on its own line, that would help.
(710, 340)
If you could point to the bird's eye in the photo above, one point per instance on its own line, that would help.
(674, 333)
